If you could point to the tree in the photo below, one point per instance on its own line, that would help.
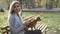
(39, 3)
(49, 4)
(56, 3)
(8, 2)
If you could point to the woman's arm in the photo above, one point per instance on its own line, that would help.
(13, 26)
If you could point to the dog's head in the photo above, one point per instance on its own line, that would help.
(38, 18)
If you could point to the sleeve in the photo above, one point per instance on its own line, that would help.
(13, 27)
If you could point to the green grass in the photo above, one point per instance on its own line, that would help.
(52, 19)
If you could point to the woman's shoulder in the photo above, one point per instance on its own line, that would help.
(11, 16)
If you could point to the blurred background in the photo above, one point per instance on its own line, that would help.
(32, 3)
(48, 10)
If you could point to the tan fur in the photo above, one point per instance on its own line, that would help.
(32, 23)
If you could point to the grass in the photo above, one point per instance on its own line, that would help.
(52, 19)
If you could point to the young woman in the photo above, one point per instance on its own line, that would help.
(16, 23)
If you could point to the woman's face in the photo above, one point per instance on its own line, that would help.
(16, 8)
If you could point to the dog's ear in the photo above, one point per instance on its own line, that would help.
(38, 18)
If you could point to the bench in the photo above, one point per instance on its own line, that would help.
(42, 27)
(6, 29)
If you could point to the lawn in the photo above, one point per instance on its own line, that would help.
(52, 19)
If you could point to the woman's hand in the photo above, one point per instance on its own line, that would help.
(26, 23)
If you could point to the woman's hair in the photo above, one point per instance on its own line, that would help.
(11, 11)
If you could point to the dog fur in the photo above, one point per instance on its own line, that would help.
(32, 23)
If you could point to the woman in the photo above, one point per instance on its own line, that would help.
(15, 20)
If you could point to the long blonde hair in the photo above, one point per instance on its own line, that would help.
(12, 5)
(11, 11)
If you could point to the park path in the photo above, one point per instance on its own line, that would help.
(42, 9)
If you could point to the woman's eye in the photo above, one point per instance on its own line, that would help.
(14, 6)
(17, 6)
